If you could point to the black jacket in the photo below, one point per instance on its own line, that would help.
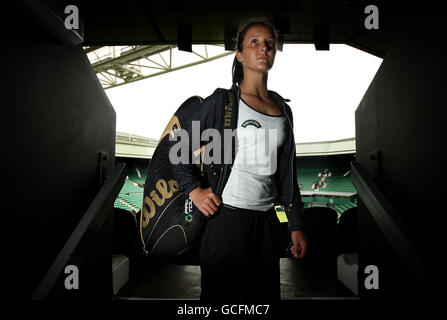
(220, 111)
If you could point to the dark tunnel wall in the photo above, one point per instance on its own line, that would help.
(400, 116)
(55, 119)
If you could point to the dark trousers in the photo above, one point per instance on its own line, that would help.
(239, 255)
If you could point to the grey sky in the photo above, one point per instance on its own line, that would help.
(325, 88)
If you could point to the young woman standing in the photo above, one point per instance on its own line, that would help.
(239, 253)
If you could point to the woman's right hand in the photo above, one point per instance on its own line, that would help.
(205, 200)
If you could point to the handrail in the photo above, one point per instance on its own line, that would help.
(389, 222)
(108, 193)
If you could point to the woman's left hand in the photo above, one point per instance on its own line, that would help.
(299, 244)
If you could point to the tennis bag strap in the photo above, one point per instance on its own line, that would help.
(227, 122)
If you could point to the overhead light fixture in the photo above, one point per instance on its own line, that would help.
(321, 36)
(230, 34)
(282, 25)
(184, 37)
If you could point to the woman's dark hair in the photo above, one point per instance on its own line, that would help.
(237, 70)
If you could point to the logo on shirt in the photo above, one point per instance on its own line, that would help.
(252, 123)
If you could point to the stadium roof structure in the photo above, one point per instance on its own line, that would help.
(149, 33)
(320, 148)
(146, 29)
(140, 22)
(119, 65)
(134, 146)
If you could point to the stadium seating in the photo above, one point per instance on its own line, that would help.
(347, 249)
(347, 232)
(338, 182)
(321, 226)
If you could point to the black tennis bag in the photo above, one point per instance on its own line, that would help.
(170, 224)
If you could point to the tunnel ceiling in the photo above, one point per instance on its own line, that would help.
(303, 21)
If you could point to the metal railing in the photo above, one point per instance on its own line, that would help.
(390, 223)
(97, 209)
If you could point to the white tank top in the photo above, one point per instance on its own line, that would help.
(251, 184)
